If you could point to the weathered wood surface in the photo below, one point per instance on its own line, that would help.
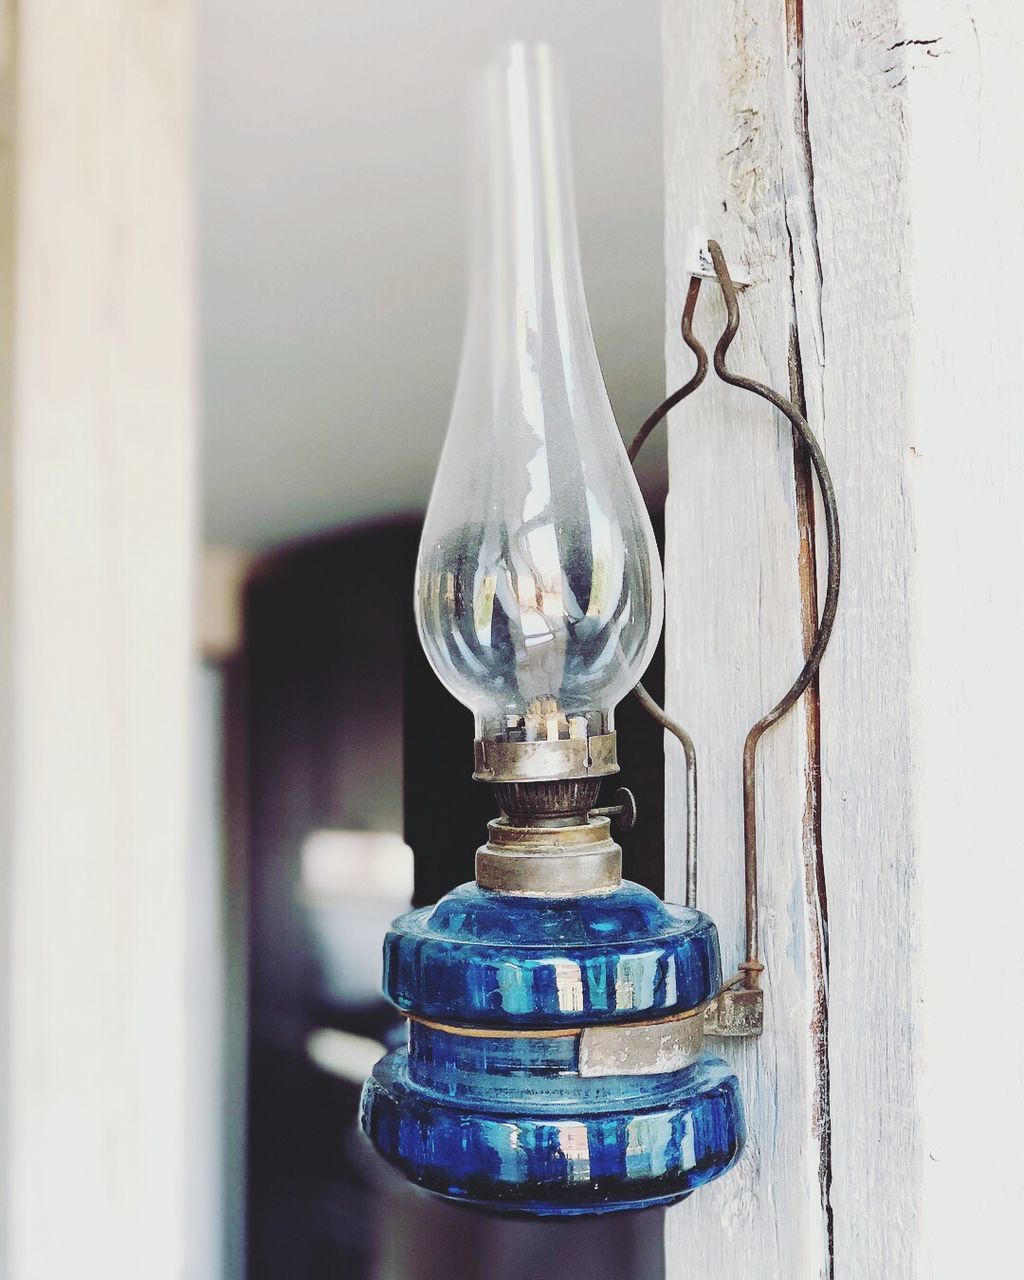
(99, 552)
(734, 628)
(864, 161)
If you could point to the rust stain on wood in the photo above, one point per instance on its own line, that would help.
(815, 885)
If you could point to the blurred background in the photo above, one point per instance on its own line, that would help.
(332, 153)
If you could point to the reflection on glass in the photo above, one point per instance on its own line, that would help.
(539, 595)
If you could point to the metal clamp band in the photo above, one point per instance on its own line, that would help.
(655, 1047)
(544, 1033)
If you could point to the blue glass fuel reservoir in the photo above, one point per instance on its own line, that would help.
(556, 1061)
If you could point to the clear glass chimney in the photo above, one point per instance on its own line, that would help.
(538, 588)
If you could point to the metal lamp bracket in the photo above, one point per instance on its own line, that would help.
(738, 1009)
(699, 262)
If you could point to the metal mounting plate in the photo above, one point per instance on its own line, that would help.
(698, 262)
(735, 1012)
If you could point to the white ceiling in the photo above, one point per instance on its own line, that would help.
(331, 149)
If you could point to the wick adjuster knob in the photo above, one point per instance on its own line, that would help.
(622, 812)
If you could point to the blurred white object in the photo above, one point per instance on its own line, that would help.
(342, 1054)
(354, 883)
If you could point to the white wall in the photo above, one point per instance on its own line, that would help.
(97, 554)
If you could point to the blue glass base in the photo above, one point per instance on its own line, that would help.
(489, 1105)
(635, 1142)
(509, 960)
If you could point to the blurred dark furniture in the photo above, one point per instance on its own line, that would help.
(347, 727)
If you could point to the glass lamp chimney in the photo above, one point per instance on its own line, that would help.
(538, 586)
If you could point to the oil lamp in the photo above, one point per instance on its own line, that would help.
(556, 1061)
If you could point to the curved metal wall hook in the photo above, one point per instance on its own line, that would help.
(751, 967)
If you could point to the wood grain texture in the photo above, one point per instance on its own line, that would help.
(102, 448)
(734, 627)
(866, 159)
(860, 144)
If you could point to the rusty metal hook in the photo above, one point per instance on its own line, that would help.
(751, 967)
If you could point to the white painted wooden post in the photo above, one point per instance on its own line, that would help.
(864, 160)
(97, 584)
